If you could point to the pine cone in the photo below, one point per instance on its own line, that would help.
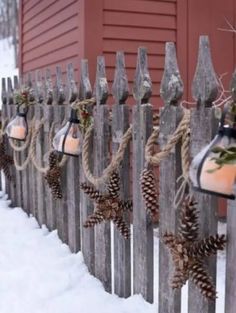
(95, 218)
(207, 246)
(93, 193)
(188, 228)
(149, 192)
(5, 161)
(113, 186)
(170, 240)
(202, 280)
(127, 205)
(53, 176)
(179, 279)
(122, 227)
(53, 159)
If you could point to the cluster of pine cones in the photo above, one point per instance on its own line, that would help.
(189, 252)
(149, 193)
(108, 206)
(53, 176)
(5, 160)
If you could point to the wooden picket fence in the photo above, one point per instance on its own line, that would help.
(29, 191)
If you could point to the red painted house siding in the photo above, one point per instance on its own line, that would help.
(58, 32)
(49, 34)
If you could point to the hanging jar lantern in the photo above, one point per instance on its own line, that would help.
(18, 128)
(68, 140)
(213, 170)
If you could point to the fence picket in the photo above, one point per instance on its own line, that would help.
(142, 225)
(59, 115)
(86, 205)
(73, 177)
(230, 299)
(120, 123)
(203, 128)
(102, 135)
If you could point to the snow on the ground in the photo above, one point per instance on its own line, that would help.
(7, 61)
(38, 274)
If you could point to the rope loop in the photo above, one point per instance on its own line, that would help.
(159, 156)
(115, 162)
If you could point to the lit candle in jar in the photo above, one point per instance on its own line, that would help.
(220, 180)
(71, 145)
(18, 132)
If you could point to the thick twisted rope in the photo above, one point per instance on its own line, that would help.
(21, 167)
(78, 104)
(159, 156)
(183, 180)
(115, 162)
(40, 168)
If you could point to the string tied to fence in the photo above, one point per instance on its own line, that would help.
(115, 162)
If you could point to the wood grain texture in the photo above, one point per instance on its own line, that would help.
(170, 170)
(230, 290)
(171, 114)
(203, 128)
(101, 138)
(142, 225)
(120, 123)
(50, 208)
(61, 205)
(86, 205)
(40, 184)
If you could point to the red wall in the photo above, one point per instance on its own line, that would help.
(58, 32)
(49, 34)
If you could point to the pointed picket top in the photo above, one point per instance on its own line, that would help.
(16, 83)
(101, 85)
(233, 86)
(39, 90)
(120, 87)
(4, 91)
(48, 87)
(205, 83)
(30, 85)
(71, 84)
(171, 89)
(60, 94)
(10, 93)
(142, 89)
(85, 89)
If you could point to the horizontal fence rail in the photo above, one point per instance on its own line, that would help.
(133, 257)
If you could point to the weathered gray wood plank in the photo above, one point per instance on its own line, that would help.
(203, 128)
(59, 114)
(102, 138)
(171, 114)
(73, 177)
(230, 290)
(50, 207)
(86, 205)
(40, 184)
(142, 225)
(120, 123)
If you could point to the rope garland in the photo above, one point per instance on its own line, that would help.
(41, 168)
(115, 162)
(183, 180)
(78, 104)
(159, 156)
